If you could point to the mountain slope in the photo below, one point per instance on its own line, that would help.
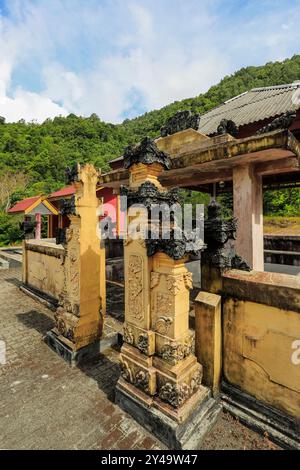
(42, 151)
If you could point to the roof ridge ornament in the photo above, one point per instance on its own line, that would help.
(72, 173)
(282, 122)
(227, 126)
(180, 121)
(146, 152)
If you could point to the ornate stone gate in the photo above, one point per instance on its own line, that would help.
(160, 382)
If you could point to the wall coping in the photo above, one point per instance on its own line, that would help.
(274, 289)
(45, 246)
(273, 279)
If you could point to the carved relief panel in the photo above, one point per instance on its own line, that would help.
(135, 288)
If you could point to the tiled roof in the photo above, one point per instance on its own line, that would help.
(251, 106)
(21, 206)
(67, 191)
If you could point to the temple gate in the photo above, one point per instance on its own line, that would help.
(160, 381)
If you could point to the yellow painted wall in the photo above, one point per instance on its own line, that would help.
(45, 272)
(260, 352)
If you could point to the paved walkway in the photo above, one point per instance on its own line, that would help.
(44, 404)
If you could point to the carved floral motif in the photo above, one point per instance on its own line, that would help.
(128, 334)
(163, 324)
(174, 394)
(155, 277)
(143, 343)
(178, 394)
(138, 378)
(188, 280)
(163, 303)
(135, 287)
(126, 372)
(176, 351)
(175, 284)
(141, 380)
(196, 381)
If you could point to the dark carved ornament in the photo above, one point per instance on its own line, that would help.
(61, 238)
(282, 122)
(181, 121)
(227, 126)
(141, 380)
(175, 394)
(71, 174)
(27, 226)
(173, 247)
(143, 343)
(179, 244)
(146, 152)
(67, 206)
(219, 236)
(148, 194)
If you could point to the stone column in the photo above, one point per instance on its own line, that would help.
(79, 317)
(38, 226)
(160, 383)
(248, 209)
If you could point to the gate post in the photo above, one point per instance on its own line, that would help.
(160, 383)
(79, 317)
(219, 255)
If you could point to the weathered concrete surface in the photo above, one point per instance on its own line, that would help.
(45, 404)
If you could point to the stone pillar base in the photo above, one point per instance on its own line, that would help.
(182, 428)
(71, 356)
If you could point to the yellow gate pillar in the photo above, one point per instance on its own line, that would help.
(160, 383)
(79, 317)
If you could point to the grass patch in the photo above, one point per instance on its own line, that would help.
(282, 225)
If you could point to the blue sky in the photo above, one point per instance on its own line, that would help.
(120, 58)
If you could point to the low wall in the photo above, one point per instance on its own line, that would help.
(279, 249)
(43, 266)
(282, 243)
(261, 336)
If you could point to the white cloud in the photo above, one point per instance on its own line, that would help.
(96, 56)
(30, 106)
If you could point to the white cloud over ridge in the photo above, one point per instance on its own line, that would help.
(119, 58)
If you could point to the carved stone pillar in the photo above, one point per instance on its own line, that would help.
(79, 317)
(160, 383)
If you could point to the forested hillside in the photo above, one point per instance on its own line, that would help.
(33, 156)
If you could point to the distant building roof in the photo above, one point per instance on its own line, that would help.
(67, 191)
(33, 205)
(254, 105)
(21, 206)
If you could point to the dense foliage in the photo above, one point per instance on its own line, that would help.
(41, 152)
